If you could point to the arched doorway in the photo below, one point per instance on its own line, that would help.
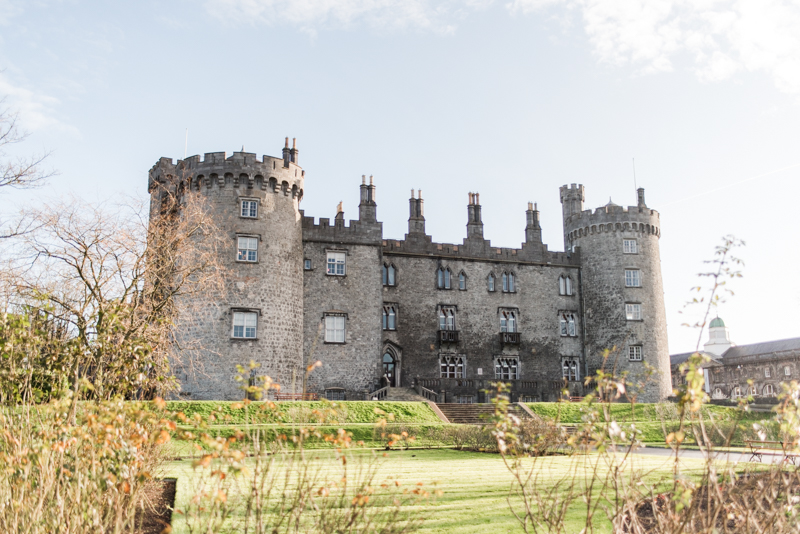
(390, 368)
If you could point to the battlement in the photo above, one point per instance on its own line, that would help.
(529, 253)
(613, 218)
(355, 233)
(241, 169)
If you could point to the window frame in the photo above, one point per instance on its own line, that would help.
(447, 318)
(787, 370)
(307, 264)
(389, 275)
(335, 318)
(498, 368)
(242, 202)
(335, 393)
(507, 315)
(239, 249)
(630, 315)
(767, 372)
(491, 283)
(633, 250)
(771, 392)
(635, 353)
(389, 317)
(245, 313)
(462, 281)
(565, 285)
(567, 325)
(570, 369)
(633, 278)
(335, 255)
(452, 364)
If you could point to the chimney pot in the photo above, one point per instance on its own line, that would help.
(287, 142)
(294, 142)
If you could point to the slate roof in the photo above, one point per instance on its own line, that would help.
(677, 359)
(766, 350)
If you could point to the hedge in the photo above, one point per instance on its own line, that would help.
(572, 412)
(286, 412)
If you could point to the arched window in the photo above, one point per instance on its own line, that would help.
(570, 370)
(443, 278)
(769, 391)
(718, 393)
(564, 285)
(490, 281)
(389, 275)
(752, 391)
(511, 283)
(736, 393)
(505, 282)
(462, 281)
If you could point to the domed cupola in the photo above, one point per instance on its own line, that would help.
(718, 338)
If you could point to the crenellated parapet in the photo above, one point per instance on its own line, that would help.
(241, 170)
(486, 252)
(357, 232)
(610, 218)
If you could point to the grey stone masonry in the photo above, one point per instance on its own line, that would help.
(600, 237)
(452, 318)
(271, 286)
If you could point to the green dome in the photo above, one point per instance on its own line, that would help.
(715, 323)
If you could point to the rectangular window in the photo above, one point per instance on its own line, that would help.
(633, 312)
(447, 318)
(506, 368)
(787, 371)
(334, 329)
(244, 325)
(635, 353)
(570, 370)
(248, 249)
(336, 263)
(307, 265)
(452, 366)
(508, 321)
(389, 317)
(632, 278)
(629, 246)
(767, 374)
(250, 209)
(566, 323)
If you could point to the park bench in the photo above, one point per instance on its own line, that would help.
(759, 447)
(576, 399)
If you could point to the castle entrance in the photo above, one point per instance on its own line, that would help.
(390, 369)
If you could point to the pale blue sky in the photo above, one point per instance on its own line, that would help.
(509, 99)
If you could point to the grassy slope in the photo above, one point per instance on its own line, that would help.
(475, 488)
(300, 411)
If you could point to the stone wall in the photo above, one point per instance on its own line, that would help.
(272, 286)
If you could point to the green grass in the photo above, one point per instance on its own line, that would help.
(475, 487)
(571, 412)
(343, 412)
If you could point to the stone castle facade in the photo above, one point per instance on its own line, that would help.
(448, 319)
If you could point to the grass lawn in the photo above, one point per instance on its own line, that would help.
(475, 486)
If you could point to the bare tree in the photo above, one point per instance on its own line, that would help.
(115, 277)
(18, 172)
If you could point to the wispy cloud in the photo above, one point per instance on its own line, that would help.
(722, 37)
(310, 15)
(37, 111)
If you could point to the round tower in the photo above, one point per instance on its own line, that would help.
(621, 286)
(256, 312)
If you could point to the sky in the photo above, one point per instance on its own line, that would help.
(507, 98)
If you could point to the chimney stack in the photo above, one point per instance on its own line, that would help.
(416, 214)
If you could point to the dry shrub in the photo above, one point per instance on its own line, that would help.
(88, 477)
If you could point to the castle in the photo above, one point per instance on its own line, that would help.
(447, 319)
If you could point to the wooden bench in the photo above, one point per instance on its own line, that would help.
(576, 399)
(759, 447)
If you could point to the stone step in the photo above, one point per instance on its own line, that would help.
(475, 413)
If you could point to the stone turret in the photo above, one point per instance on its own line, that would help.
(621, 284)
(254, 204)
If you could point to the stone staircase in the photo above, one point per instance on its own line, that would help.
(476, 414)
(403, 395)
